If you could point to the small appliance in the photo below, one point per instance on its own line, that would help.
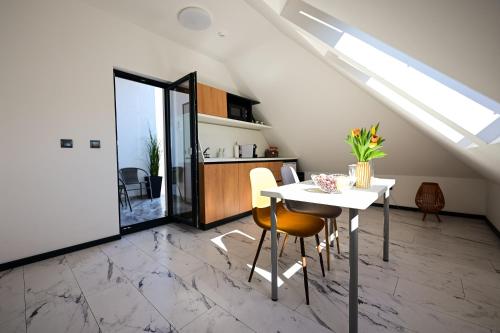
(248, 151)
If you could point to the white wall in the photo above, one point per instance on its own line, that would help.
(493, 206)
(217, 136)
(135, 117)
(57, 82)
(462, 195)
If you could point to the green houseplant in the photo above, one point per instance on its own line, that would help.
(365, 145)
(153, 154)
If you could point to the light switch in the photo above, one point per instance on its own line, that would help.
(95, 143)
(66, 143)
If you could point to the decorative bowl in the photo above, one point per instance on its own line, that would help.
(327, 183)
(332, 183)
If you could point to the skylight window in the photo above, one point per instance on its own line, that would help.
(456, 107)
(446, 105)
(414, 110)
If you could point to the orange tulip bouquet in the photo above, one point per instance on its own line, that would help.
(366, 145)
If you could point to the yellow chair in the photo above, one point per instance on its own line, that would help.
(295, 224)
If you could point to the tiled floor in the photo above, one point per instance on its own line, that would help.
(143, 209)
(442, 277)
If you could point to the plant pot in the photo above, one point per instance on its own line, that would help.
(363, 175)
(155, 182)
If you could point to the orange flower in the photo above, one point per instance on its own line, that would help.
(355, 132)
(375, 139)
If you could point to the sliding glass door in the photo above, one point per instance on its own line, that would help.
(182, 155)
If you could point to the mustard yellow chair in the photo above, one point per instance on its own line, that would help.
(289, 223)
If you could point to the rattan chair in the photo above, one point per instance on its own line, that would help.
(430, 199)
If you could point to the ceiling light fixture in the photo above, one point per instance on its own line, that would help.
(194, 18)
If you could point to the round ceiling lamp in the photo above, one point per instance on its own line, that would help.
(194, 18)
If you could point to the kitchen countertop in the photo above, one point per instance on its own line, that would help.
(254, 159)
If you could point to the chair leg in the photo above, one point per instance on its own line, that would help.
(304, 268)
(336, 234)
(283, 245)
(425, 215)
(439, 219)
(327, 244)
(128, 200)
(257, 254)
(318, 247)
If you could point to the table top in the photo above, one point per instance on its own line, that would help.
(352, 198)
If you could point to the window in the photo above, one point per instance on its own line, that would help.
(447, 106)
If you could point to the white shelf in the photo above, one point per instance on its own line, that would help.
(208, 119)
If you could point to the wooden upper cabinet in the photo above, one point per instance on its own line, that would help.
(211, 100)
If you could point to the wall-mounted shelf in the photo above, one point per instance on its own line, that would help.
(208, 119)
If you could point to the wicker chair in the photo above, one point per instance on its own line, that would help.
(430, 199)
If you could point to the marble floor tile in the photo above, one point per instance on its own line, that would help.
(66, 313)
(216, 320)
(14, 325)
(472, 311)
(442, 277)
(251, 307)
(123, 309)
(54, 300)
(94, 270)
(166, 254)
(12, 289)
(175, 299)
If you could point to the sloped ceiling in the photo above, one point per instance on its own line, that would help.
(310, 104)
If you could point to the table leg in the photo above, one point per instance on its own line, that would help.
(353, 270)
(386, 225)
(274, 252)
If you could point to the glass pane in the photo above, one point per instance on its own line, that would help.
(181, 152)
(139, 119)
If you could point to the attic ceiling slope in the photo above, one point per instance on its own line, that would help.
(482, 160)
(232, 18)
(264, 63)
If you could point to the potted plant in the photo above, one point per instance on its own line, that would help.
(153, 154)
(366, 145)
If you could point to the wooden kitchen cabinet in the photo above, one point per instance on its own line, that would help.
(275, 167)
(211, 101)
(245, 187)
(230, 186)
(213, 192)
(227, 189)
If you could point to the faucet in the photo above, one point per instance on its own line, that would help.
(205, 154)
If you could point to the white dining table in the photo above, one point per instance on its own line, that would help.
(354, 199)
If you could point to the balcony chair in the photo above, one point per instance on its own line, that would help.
(130, 176)
(122, 190)
(295, 224)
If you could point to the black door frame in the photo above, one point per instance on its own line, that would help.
(193, 112)
(156, 83)
(166, 86)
